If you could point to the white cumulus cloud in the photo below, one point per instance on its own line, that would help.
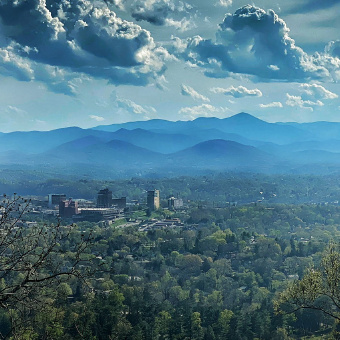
(318, 91)
(97, 118)
(237, 92)
(13, 110)
(189, 91)
(182, 25)
(303, 104)
(204, 110)
(53, 42)
(119, 3)
(163, 13)
(333, 48)
(257, 43)
(132, 107)
(271, 105)
(224, 3)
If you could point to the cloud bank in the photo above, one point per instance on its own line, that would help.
(50, 41)
(255, 42)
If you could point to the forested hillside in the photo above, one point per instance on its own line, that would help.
(215, 277)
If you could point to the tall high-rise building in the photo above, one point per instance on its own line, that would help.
(55, 199)
(104, 198)
(153, 199)
(175, 203)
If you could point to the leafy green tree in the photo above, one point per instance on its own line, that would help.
(191, 264)
(281, 334)
(63, 292)
(223, 324)
(121, 330)
(49, 323)
(166, 282)
(319, 289)
(197, 332)
(33, 262)
(244, 326)
(162, 325)
(210, 335)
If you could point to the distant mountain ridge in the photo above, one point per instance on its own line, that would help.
(223, 154)
(238, 143)
(242, 124)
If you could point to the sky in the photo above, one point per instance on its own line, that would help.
(89, 63)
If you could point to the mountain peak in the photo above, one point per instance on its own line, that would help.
(244, 117)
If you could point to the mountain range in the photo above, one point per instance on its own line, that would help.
(238, 143)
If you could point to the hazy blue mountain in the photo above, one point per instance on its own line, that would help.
(164, 142)
(121, 151)
(13, 157)
(92, 151)
(284, 150)
(257, 129)
(320, 130)
(77, 145)
(242, 124)
(158, 142)
(40, 141)
(172, 136)
(241, 142)
(315, 157)
(202, 135)
(223, 154)
(151, 124)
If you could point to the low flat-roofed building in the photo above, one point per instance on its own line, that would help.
(68, 208)
(119, 202)
(97, 214)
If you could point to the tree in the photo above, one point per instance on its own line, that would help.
(162, 326)
(33, 261)
(319, 289)
(223, 323)
(197, 332)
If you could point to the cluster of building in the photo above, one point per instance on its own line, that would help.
(153, 201)
(106, 208)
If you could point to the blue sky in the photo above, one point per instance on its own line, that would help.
(87, 63)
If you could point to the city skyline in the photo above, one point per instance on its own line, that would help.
(82, 63)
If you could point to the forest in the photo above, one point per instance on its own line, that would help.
(213, 189)
(219, 276)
